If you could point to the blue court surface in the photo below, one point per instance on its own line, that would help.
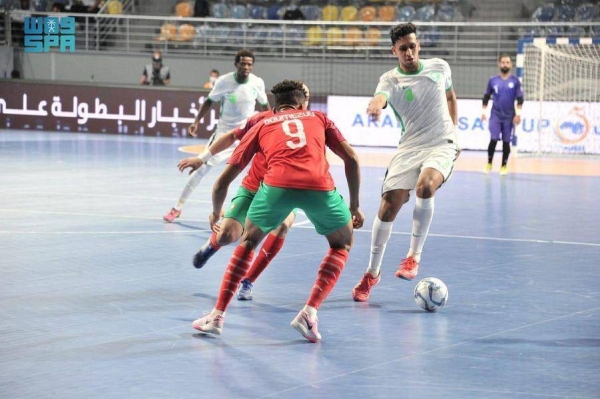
(97, 293)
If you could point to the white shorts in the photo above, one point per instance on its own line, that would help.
(224, 155)
(406, 166)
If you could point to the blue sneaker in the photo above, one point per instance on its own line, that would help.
(203, 255)
(245, 292)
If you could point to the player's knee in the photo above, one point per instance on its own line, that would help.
(226, 236)
(426, 188)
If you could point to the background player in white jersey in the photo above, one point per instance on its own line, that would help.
(238, 93)
(421, 95)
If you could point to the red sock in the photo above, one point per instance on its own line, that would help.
(213, 241)
(267, 252)
(327, 276)
(236, 270)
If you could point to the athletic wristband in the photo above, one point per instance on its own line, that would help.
(205, 156)
(518, 111)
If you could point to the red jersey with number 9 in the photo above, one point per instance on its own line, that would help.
(294, 144)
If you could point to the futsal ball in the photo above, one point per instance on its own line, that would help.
(431, 294)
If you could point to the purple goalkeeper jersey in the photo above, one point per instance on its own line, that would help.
(504, 93)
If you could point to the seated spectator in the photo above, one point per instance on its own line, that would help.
(86, 6)
(156, 74)
(293, 14)
(201, 9)
(58, 7)
(214, 75)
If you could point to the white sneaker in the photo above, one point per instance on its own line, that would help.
(306, 326)
(245, 292)
(209, 324)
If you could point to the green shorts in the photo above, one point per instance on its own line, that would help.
(238, 208)
(327, 210)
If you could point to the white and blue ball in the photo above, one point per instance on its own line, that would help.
(431, 294)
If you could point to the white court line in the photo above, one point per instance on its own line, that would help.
(300, 225)
(444, 348)
(137, 197)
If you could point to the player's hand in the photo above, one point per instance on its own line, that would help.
(192, 162)
(213, 220)
(193, 128)
(358, 218)
(517, 119)
(483, 117)
(374, 112)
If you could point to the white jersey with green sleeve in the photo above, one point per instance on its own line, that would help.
(238, 100)
(418, 100)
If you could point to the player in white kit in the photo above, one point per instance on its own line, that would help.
(421, 95)
(238, 93)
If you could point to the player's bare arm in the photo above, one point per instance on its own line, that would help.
(220, 192)
(352, 170)
(518, 109)
(375, 107)
(220, 144)
(201, 113)
(264, 107)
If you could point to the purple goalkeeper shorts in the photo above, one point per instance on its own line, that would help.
(501, 127)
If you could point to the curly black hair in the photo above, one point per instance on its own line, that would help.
(244, 53)
(402, 30)
(289, 92)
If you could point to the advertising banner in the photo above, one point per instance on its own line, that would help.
(556, 127)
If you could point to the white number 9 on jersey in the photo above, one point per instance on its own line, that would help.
(299, 134)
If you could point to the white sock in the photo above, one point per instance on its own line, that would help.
(312, 312)
(379, 238)
(191, 185)
(422, 217)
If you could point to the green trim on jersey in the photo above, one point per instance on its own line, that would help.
(418, 71)
(399, 118)
(383, 93)
(449, 88)
(237, 81)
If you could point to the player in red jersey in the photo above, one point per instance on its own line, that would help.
(231, 228)
(293, 142)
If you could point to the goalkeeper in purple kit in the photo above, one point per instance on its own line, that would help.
(505, 89)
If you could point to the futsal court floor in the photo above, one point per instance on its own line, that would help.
(97, 293)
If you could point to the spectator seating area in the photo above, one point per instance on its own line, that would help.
(343, 35)
(564, 11)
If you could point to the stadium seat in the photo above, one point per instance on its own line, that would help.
(258, 34)
(565, 13)
(349, 13)
(367, 14)
(257, 12)
(353, 37)
(429, 38)
(373, 36)
(425, 13)
(311, 13)
(219, 34)
(114, 7)
(186, 32)
(530, 33)
(330, 13)
(274, 35)
(445, 13)
(544, 13)
(587, 12)
(184, 9)
(335, 36)
(386, 13)
(167, 32)
(274, 12)
(294, 35)
(416, 2)
(576, 31)
(406, 14)
(314, 36)
(238, 11)
(552, 32)
(219, 10)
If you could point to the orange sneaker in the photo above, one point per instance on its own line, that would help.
(361, 291)
(408, 269)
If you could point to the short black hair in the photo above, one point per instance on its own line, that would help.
(244, 53)
(402, 30)
(504, 55)
(289, 92)
(215, 71)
